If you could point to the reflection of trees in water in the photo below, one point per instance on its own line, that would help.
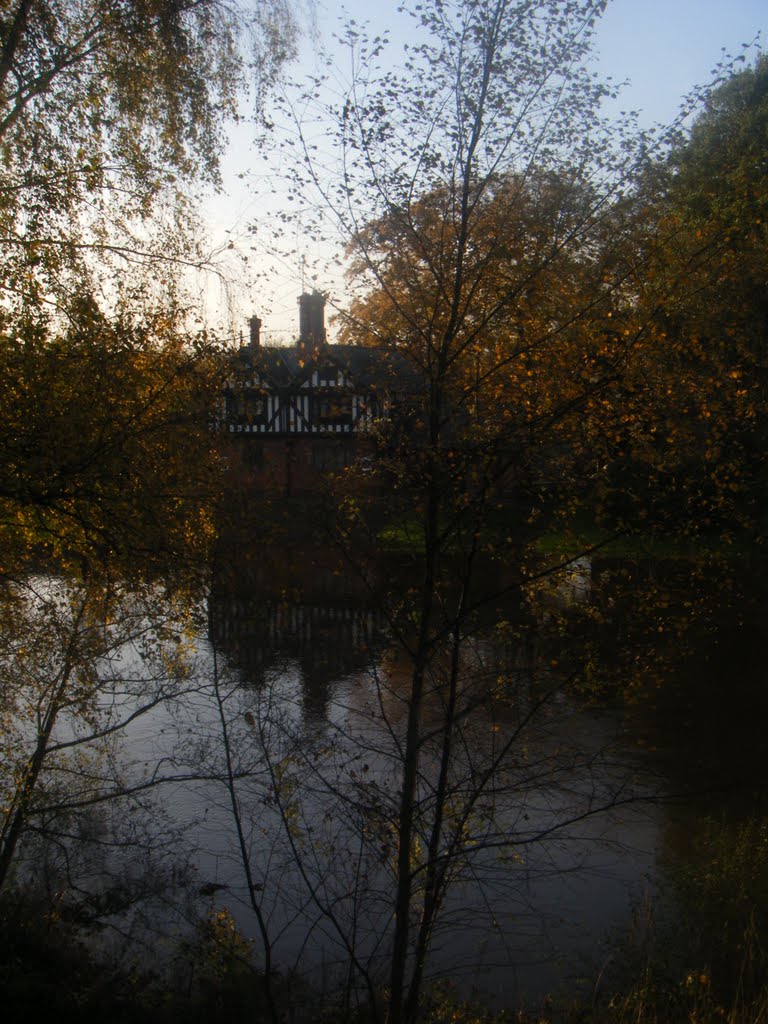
(682, 644)
(525, 666)
(334, 790)
(664, 638)
(707, 720)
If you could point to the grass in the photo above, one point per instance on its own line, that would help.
(582, 535)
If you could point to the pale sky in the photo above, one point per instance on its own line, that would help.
(663, 47)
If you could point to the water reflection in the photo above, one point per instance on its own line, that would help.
(260, 634)
(327, 692)
(600, 686)
(633, 658)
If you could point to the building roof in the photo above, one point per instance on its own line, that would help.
(289, 366)
(293, 365)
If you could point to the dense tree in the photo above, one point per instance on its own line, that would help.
(109, 112)
(714, 196)
(688, 450)
(112, 114)
(480, 201)
(109, 451)
(540, 328)
(716, 204)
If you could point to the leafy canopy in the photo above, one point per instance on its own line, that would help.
(112, 113)
(110, 109)
(700, 389)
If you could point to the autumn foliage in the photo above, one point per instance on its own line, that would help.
(611, 344)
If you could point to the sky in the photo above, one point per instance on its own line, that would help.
(661, 48)
(665, 47)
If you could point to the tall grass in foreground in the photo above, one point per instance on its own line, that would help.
(701, 955)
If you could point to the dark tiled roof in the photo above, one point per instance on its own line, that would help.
(367, 367)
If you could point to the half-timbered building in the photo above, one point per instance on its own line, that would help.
(304, 410)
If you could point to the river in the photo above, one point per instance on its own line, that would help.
(621, 703)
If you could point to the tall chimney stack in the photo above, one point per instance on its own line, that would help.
(312, 319)
(255, 332)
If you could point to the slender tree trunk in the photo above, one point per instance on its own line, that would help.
(13, 38)
(408, 799)
(18, 813)
(245, 859)
(412, 749)
(434, 874)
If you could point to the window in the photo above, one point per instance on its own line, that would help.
(251, 408)
(336, 411)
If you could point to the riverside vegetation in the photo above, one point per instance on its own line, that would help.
(583, 306)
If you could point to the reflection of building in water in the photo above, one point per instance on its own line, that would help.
(303, 608)
(328, 641)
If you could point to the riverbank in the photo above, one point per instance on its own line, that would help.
(48, 970)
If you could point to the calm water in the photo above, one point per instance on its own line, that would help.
(601, 790)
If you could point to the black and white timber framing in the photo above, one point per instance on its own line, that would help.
(310, 388)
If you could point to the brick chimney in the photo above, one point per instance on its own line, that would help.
(255, 332)
(311, 320)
